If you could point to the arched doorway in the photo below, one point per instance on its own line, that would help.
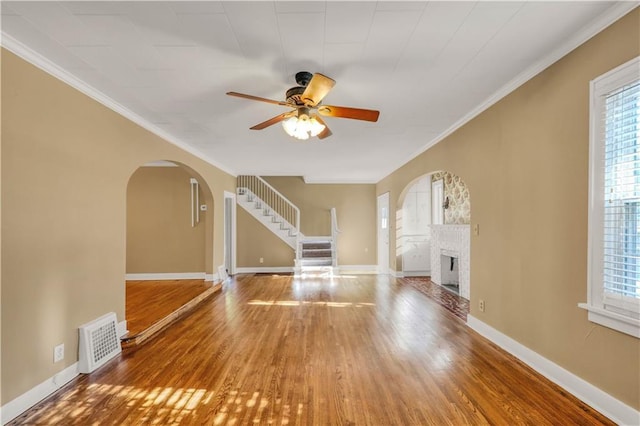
(169, 244)
(432, 230)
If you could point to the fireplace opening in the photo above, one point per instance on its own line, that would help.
(449, 267)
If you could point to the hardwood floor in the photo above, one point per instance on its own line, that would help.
(459, 306)
(279, 350)
(149, 301)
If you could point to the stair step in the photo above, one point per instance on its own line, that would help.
(262, 212)
(320, 261)
(316, 253)
(316, 246)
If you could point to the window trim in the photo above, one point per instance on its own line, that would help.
(600, 86)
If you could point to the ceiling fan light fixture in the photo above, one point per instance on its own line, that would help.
(302, 127)
(303, 99)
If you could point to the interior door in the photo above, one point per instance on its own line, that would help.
(383, 233)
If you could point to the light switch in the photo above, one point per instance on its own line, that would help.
(476, 229)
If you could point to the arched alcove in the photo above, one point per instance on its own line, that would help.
(169, 227)
(433, 214)
(169, 237)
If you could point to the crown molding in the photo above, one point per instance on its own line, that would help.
(160, 163)
(36, 59)
(614, 13)
(324, 181)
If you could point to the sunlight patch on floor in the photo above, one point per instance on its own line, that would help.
(306, 303)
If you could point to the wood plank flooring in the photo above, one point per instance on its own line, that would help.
(345, 351)
(459, 306)
(147, 302)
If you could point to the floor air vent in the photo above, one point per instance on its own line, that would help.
(98, 342)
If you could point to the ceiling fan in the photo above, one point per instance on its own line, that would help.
(302, 122)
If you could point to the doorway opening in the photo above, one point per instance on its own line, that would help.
(229, 234)
(432, 231)
(383, 233)
(169, 244)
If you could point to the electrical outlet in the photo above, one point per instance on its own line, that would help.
(58, 353)
(481, 305)
(476, 229)
(262, 260)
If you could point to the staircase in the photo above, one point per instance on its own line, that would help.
(314, 255)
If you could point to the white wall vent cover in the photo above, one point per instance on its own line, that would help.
(98, 342)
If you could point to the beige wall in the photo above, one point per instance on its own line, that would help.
(160, 237)
(255, 241)
(525, 161)
(66, 162)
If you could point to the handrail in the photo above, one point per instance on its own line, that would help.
(334, 222)
(273, 199)
(334, 235)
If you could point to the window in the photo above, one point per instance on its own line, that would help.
(614, 200)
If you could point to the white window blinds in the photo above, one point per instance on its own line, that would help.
(621, 227)
(613, 276)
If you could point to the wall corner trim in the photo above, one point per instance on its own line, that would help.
(19, 405)
(122, 328)
(606, 404)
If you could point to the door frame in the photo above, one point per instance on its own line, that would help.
(437, 199)
(382, 229)
(230, 230)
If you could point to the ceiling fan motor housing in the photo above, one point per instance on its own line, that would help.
(303, 78)
(294, 95)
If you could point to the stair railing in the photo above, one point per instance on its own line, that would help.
(274, 201)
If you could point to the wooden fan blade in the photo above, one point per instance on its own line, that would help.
(317, 89)
(326, 132)
(346, 112)
(271, 121)
(258, 98)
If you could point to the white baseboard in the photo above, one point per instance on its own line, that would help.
(121, 329)
(357, 269)
(14, 408)
(416, 273)
(211, 277)
(264, 270)
(609, 406)
(396, 274)
(166, 276)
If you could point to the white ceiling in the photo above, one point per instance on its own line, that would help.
(427, 66)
